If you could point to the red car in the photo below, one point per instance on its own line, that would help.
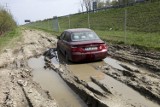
(81, 44)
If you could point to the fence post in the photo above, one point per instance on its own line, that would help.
(88, 20)
(69, 21)
(125, 25)
(48, 23)
(55, 24)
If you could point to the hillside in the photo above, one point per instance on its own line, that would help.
(140, 17)
(142, 24)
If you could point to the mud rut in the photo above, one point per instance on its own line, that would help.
(108, 83)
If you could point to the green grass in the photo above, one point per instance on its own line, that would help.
(139, 39)
(9, 38)
(143, 25)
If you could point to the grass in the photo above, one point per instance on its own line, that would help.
(9, 38)
(139, 39)
(143, 25)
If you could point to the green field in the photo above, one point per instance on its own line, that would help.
(142, 24)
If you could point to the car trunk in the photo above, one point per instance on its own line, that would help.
(86, 46)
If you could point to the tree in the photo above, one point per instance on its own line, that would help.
(81, 3)
(100, 4)
(87, 4)
(107, 3)
(114, 3)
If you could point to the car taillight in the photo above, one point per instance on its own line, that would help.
(76, 49)
(102, 46)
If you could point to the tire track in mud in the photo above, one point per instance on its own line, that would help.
(96, 82)
(140, 79)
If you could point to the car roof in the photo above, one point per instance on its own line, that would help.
(78, 30)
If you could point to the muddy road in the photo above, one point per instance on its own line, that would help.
(129, 77)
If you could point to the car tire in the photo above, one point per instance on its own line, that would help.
(58, 48)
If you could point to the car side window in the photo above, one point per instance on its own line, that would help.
(67, 37)
(62, 36)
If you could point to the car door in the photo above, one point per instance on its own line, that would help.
(60, 42)
(66, 42)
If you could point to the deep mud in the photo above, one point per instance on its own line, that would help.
(130, 81)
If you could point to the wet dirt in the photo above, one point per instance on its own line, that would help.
(138, 78)
(139, 56)
(51, 81)
(127, 94)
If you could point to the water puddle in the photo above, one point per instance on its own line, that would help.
(51, 81)
(126, 93)
(117, 64)
(85, 71)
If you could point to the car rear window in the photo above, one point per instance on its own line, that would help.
(84, 36)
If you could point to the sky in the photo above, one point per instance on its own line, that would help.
(39, 9)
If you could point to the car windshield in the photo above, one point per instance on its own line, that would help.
(84, 36)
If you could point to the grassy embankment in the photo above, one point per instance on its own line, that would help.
(142, 30)
(8, 28)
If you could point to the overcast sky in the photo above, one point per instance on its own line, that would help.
(40, 9)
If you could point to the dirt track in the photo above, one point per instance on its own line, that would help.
(93, 82)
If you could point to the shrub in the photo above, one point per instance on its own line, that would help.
(7, 22)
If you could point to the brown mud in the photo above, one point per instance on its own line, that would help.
(140, 57)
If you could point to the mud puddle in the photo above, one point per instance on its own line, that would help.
(85, 71)
(136, 79)
(114, 63)
(124, 95)
(51, 81)
(119, 65)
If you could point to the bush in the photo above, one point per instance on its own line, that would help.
(7, 22)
